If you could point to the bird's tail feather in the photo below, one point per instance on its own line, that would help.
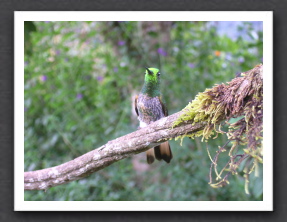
(163, 152)
(150, 156)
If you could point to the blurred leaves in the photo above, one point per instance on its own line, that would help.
(29, 27)
(80, 79)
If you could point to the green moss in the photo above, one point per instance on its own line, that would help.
(203, 109)
(191, 135)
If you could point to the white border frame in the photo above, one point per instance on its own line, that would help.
(21, 205)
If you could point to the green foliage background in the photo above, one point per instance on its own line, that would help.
(80, 80)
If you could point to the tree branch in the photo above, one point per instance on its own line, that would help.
(115, 150)
(133, 143)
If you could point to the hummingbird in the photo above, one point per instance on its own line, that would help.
(149, 107)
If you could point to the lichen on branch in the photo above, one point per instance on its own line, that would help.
(241, 98)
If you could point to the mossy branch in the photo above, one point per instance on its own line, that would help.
(243, 96)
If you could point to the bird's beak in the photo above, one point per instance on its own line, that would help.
(149, 72)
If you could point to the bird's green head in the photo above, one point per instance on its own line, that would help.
(151, 82)
(152, 75)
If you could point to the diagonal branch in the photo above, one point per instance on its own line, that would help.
(115, 150)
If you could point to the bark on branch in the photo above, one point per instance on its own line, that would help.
(115, 150)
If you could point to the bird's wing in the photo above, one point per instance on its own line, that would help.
(136, 104)
(164, 109)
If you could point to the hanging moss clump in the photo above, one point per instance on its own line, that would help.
(241, 98)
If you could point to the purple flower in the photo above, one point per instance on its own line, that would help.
(47, 22)
(191, 65)
(241, 59)
(162, 52)
(43, 78)
(228, 56)
(120, 43)
(116, 69)
(58, 52)
(25, 109)
(79, 96)
(100, 78)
